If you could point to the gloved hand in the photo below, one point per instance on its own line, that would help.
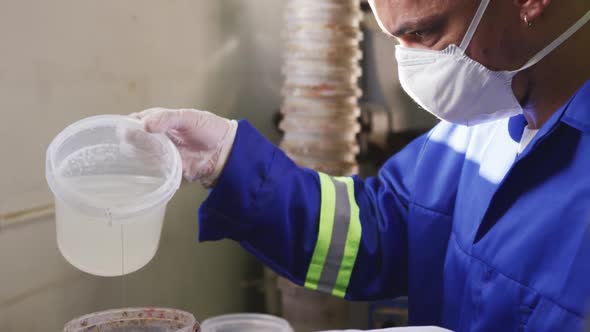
(203, 139)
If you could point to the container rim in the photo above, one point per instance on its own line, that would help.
(147, 201)
(248, 318)
(88, 320)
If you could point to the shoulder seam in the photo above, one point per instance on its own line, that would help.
(411, 200)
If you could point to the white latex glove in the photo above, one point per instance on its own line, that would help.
(203, 139)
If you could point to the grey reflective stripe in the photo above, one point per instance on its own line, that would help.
(338, 242)
(339, 237)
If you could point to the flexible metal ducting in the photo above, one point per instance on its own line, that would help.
(321, 68)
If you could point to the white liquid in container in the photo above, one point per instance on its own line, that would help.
(111, 181)
(100, 245)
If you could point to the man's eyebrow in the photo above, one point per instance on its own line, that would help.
(415, 23)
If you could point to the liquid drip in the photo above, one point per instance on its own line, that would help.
(123, 277)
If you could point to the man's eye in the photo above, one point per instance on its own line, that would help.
(420, 34)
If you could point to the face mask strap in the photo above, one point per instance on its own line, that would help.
(543, 53)
(474, 24)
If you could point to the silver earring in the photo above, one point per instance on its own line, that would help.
(526, 20)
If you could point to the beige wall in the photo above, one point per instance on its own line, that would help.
(64, 60)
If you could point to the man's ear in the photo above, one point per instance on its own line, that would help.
(530, 10)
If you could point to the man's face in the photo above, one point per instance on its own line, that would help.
(435, 24)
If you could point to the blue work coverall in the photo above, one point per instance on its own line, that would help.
(479, 237)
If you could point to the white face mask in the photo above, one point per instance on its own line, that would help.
(458, 89)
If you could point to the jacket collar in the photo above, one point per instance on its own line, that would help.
(577, 109)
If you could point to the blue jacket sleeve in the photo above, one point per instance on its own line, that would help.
(278, 212)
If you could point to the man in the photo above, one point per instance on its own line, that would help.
(483, 222)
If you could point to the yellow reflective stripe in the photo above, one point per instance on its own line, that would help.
(353, 240)
(338, 242)
(326, 226)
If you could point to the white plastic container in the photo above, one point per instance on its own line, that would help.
(111, 181)
(135, 320)
(246, 323)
